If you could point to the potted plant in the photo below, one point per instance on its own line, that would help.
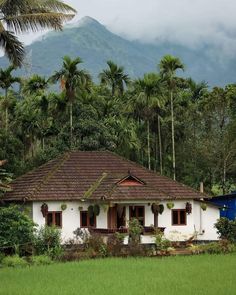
(63, 206)
(44, 209)
(155, 208)
(204, 206)
(80, 208)
(96, 209)
(161, 209)
(170, 205)
(90, 211)
(188, 208)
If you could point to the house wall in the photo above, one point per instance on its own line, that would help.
(199, 223)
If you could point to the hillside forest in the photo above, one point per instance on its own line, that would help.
(172, 125)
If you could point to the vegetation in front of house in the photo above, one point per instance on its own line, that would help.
(22, 243)
(172, 276)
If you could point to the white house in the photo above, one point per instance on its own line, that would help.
(102, 191)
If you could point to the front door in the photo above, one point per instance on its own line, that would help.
(112, 217)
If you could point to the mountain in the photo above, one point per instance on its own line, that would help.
(95, 44)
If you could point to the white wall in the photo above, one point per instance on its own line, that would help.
(71, 219)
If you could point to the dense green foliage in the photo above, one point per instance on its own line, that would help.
(135, 121)
(16, 229)
(47, 240)
(226, 229)
(173, 276)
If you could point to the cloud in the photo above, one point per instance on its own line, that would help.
(191, 23)
(186, 22)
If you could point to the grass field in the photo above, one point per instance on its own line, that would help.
(204, 274)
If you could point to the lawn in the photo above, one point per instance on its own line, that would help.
(203, 274)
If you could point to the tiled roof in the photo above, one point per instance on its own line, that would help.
(94, 175)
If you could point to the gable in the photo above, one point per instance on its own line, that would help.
(130, 181)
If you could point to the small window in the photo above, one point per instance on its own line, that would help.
(54, 219)
(179, 217)
(86, 221)
(137, 212)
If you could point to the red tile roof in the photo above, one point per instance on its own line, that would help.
(95, 175)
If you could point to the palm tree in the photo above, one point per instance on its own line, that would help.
(6, 82)
(115, 78)
(23, 16)
(35, 85)
(168, 67)
(148, 92)
(72, 79)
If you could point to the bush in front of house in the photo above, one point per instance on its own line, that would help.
(48, 241)
(14, 261)
(41, 260)
(221, 247)
(226, 229)
(16, 229)
(163, 245)
(115, 244)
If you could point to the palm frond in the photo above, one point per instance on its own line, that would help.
(11, 46)
(34, 22)
(58, 6)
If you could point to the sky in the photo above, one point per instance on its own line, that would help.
(191, 23)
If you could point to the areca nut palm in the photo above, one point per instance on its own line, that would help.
(24, 16)
(168, 66)
(115, 78)
(71, 79)
(148, 91)
(6, 81)
(35, 85)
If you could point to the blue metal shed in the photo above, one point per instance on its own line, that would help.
(228, 205)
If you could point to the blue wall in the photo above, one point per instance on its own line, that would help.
(228, 201)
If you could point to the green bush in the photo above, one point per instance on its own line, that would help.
(221, 247)
(16, 228)
(48, 241)
(14, 261)
(162, 244)
(41, 260)
(135, 230)
(226, 229)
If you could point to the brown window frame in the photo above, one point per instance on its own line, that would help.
(88, 220)
(179, 219)
(54, 218)
(136, 210)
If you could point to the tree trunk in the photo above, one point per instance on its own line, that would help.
(6, 110)
(71, 123)
(148, 144)
(172, 134)
(160, 143)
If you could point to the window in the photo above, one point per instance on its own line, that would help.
(86, 221)
(179, 217)
(54, 218)
(137, 212)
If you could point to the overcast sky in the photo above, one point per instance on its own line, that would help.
(188, 22)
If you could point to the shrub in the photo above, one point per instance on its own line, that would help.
(48, 241)
(14, 261)
(115, 244)
(41, 260)
(16, 228)
(162, 244)
(226, 229)
(96, 245)
(221, 247)
(135, 230)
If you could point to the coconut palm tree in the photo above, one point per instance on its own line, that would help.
(168, 67)
(115, 78)
(23, 16)
(148, 92)
(6, 82)
(72, 79)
